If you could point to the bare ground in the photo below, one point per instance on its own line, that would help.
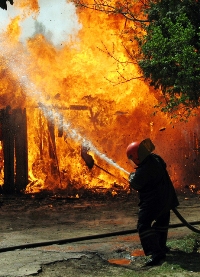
(29, 219)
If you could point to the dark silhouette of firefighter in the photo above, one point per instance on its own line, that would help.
(3, 4)
(157, 197)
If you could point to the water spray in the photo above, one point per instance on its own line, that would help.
(13, 58)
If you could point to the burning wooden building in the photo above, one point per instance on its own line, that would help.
(62, 97)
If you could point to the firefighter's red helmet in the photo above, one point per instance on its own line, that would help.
(138, 151)
(132, 152)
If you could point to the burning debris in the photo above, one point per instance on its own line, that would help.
(162, 129)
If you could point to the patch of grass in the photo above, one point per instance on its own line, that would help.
(182, 261)
(187, 244)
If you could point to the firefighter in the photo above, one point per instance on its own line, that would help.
(157, 197)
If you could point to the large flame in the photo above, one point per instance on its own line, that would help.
(79, 87)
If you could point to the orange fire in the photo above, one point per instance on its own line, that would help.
(82, 88)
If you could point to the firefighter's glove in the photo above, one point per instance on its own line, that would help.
(131, 177)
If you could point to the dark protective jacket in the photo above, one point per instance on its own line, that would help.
(154, 185)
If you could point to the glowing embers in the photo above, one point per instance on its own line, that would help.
(120, 261)
(137, 253)
(127, 261)
(193, 188)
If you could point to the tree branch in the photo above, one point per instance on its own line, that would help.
(122, 9)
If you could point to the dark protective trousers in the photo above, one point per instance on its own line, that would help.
(153, 233)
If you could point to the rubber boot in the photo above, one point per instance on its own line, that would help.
(151, 246)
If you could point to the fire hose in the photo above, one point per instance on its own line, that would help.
(90, 163)
(99, 236)
(185, 223)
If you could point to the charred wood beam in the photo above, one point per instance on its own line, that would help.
(60, 126)
(1, 123)
(8, 151)
(40, 136)
(52, 150)
(15, 149)
(70, 107)
(78, 107)
(52, 144)
(21, 149)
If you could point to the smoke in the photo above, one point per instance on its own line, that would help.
(56, 20)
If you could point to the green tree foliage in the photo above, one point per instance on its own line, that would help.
(170, 51)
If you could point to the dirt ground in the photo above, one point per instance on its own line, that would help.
(30, 219)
